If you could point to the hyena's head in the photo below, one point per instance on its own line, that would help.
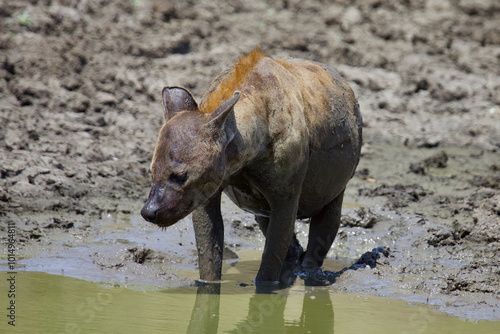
(189, 160)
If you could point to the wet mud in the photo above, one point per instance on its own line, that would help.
(80, 107)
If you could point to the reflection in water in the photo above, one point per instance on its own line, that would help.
(266, 312)
(266, 307)
(57, 304)
(317, 312)
(205, 315)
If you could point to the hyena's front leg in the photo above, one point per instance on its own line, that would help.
(209, 233)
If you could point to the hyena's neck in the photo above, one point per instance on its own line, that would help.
(250, 136)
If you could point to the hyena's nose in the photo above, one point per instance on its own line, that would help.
(150, 209)
(148, 212)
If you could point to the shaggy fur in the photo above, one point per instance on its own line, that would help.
(232, 82)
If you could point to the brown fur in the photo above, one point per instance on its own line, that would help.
(225, 90)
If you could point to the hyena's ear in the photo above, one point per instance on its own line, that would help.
(218, 117)
(175, 100)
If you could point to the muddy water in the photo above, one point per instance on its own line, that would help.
(58, 304)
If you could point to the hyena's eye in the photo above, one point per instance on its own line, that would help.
(178, 179)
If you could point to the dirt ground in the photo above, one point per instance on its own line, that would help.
(80, 85)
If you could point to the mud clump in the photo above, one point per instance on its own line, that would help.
(487, 221)
(141, 255)
(361, 217)
(447, 238)
(60, 223)
(367, 260)
(436, 161)
(489, 181)
(397, 195)
(370, 258)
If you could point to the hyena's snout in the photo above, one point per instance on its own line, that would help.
(150, 210)
(165, 206)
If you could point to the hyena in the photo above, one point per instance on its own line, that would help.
(281, 137)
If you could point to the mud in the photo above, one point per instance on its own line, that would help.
(80, 106)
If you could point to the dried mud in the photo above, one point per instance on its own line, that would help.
(80, 107)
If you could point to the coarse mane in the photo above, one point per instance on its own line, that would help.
(231, 82)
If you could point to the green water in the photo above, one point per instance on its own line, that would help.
(56, 304)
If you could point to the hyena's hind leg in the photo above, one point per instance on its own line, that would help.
(322, 231)
(295, 250)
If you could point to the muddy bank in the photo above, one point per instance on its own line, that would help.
(80, 85)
